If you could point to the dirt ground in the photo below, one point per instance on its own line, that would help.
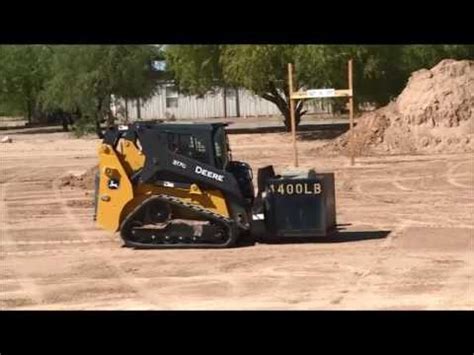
(407, 241)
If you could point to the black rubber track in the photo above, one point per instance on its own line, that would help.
(229, 224)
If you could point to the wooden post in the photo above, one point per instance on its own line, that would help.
(292, 113)
(351, 110)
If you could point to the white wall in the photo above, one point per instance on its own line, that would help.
(212, 106)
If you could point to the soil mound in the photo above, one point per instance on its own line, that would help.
(85, 181)
(434, 113)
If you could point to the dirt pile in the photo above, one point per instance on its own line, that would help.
(85, 181)
(434, 113)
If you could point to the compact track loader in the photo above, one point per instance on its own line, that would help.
(166, 185)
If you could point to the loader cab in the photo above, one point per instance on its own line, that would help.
(206, 143)
(209, 144)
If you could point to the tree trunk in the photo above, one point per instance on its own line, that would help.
(356, 103)
(224, 96)
(65, 120)
(110, 119)
(237, 102)
(98, 129)
(98, 119)
(109, 115)
(138, 110)
(126, 110)
(65, 124)
(287, 120)
(29, 112)
(283, 104)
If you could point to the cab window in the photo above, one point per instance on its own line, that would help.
(189, 146)
(221, 148)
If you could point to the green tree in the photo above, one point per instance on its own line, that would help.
(35, 79)
(23, 73)
(414, 57)
(196, 69)
(380, 71)
(86, 77)
(262, 69)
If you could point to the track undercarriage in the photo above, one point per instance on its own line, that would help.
(153, 225)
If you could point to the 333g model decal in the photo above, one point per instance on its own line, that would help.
(296, 188)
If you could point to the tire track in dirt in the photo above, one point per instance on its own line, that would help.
(441, 274)
(396, 183)
(122, 276)
(384, 250)
(398, 179)
(405, 223)
(464, 272)
(27, 283)
(451, 176)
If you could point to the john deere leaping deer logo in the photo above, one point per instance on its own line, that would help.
(113, 184)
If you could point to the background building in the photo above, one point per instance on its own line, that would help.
(169, 103)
